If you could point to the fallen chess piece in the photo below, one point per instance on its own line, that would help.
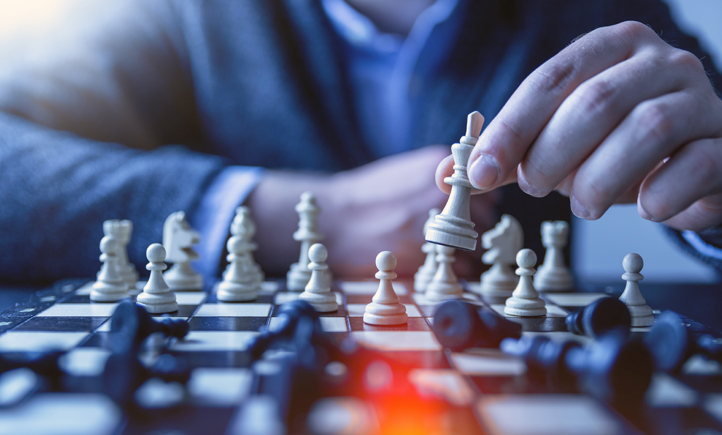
(599, 317)
(612, 368)
(131, 324)
(671, 343)
(460, 325)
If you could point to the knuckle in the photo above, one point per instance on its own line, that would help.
(599, 96)
(634, 30)
(555, 77)
(655, 121)
(686, 60)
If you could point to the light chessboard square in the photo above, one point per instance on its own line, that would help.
(234, 310)
(573, 299)
(667, 392)
(547, 414)
(328, 324)
(199, 341)
(368, 287)
(39, 341)
(442, 383)
(397, 340)
(488, 362)
(85, 361)
(284, 297)
(358, 310)
(190, 298)
(220, 386)
(80, 310)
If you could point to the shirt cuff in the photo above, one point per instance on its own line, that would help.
(217, 208)
(703, 247)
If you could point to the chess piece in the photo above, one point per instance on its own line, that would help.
(611, 368)
(385, 308)
(632, 297)
(122, 230)
(453, 227)
(157, 297)
(110, 286)
(444, 285)
(525, 300)
(460, 325)
(428, 269)
(132, 324)
(289, 316)
(244, 226)
(318, 291)
(503, 242)
(553, 275)
(308, 234)
(672, 343)
(240, 280)
(599, 317)
(178, 240)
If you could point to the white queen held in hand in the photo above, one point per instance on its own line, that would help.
(385, 308)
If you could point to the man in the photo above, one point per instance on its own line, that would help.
(91, 108)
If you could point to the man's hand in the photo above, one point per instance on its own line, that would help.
(379, 206)
(618, 116)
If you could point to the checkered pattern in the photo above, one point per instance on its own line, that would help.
(490, 392)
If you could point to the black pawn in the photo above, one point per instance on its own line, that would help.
(672, 343)
(600, 317)
(460, 325)
(293, 315)
(131, 324)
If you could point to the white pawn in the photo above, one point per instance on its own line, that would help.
(553, 275)
(502, 242)
(318, 290)
(244, 226)
(110, 286)
(385, 308)
(632, 297)
(240, 281)
(157, 297)
(308, 234)
(525, 301)
(428, 269)
(444, 285)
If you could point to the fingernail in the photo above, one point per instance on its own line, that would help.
(484, 172)
(579, 210)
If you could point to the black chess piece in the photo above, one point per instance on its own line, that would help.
(599, 317)
(460, 325)
(671, 343)
(613, 368)
(131, 324)
(291, 315)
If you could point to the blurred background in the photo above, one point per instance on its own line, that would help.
(599, 247)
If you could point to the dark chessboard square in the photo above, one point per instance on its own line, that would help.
(228, 323)
(541, 324)
(428, 359)
(76, 299)
(183, 311)
(218, 358)
(261, 299)
(62, 324)
(413, 324)
(359, 299)
(98, 339)
(516, 385)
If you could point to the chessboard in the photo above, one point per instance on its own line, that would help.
(480, 391)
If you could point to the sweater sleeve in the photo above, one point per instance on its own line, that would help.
(97, 121)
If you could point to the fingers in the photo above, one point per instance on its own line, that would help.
(650, 133)
(685, 191)
(445, 169)
(508, 137)
(587, 116)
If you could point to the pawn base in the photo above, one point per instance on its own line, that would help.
(178, 282)
(642, 321)
(229, 291)
(525, 307)
(422, 278)
(386, 320)
(325, 303)
(168, 307)
(497, 285)
(553, 280)
(437, 292)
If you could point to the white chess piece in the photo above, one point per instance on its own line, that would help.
(385, 308)
(318, 291)
(525, 301)
(307, 234)
(244, 226)
(110, 286)
(122, 230)
(553, 274)
(444, 285)
(632, 297)
(453, 227)
(240, 281)
(503, 242)
(178, 239)
(428, 269)
(157, 297)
